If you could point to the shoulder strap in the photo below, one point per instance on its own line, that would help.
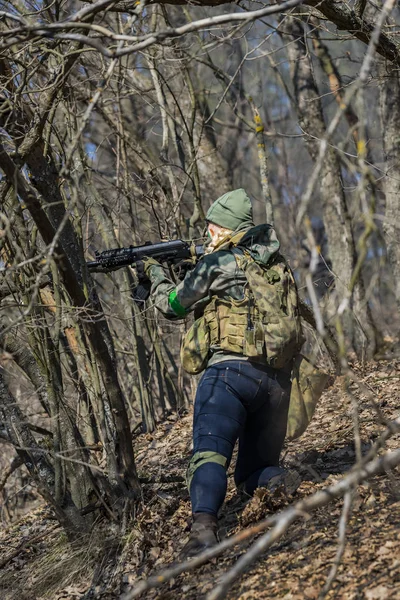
(242, 260)
(241, 256)
(229, 241)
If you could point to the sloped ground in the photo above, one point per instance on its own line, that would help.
(39, 562)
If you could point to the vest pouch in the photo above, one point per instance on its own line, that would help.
(196, 347)
(227, 320)
(308, 383)
(254, 341)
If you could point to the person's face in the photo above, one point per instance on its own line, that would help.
(212, 230)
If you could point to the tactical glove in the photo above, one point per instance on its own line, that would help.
(142, 291)
(146, 265)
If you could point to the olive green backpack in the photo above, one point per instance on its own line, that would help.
(277, 331)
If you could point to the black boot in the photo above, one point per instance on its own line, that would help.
(203, 535)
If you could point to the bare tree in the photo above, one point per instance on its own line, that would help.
(337, 219)
(120, 124)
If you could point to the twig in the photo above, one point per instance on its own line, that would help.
(263, 161)
(15, 464)
(162, 479)
(40, 430)
(26, 543)
(348, 499)
(300, 509)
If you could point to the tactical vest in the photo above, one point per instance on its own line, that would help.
(266, 324)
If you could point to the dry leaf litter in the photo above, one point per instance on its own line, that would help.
(38, 563)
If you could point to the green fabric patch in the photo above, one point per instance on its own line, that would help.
(201, 458)
(176, 305)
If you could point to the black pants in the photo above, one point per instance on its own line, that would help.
(237, 399)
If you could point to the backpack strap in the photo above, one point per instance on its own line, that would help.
(242, 260)
(230, 240)
(242, 257)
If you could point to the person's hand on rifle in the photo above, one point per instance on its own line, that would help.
(143, 267)
(142, 291)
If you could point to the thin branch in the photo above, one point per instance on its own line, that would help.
(16, 463)
(264, 163)
(344, 518)
(26, 543)
(151, 38)
(280, 522)
(351, 91)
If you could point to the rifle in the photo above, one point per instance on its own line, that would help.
(172, 253)
(178, 253)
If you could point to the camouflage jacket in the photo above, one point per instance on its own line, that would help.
(216, 274)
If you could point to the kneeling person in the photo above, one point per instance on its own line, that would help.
(246, 332)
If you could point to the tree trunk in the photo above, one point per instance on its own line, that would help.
(359, 327)
(390, 110)
(34, 458)
(124, 477)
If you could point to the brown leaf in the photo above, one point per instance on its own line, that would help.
(311, 593)
(380, 592)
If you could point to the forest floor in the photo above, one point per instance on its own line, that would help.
(37, 562)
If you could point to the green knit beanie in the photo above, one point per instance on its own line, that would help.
(233, 210)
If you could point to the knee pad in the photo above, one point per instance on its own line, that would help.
(201, 458)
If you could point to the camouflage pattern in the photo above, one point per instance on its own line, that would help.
(308, 383)
(217, 275)
(273, 319)
(195, 350)
(265, 324)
